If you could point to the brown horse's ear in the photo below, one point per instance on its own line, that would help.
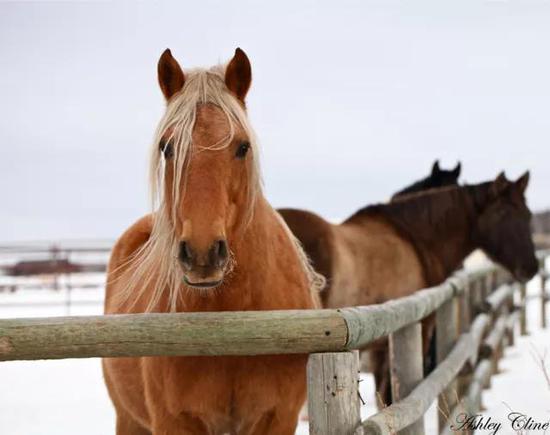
(500, 184)
(456, 170)
(522, 182)
(238, 75)
(170, 75)
(435, 168)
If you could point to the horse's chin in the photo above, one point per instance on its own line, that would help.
(203, 284)
(523, 278)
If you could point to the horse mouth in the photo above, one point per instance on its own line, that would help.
(523, 278)
(526, 273)
(202, 284)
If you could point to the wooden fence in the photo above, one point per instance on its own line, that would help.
(475, 318)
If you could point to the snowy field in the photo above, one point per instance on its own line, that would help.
(68, 397)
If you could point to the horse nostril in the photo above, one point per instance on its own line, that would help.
(219, 253)
(185, 254)
(222, 248)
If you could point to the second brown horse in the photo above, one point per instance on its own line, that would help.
(387, 251)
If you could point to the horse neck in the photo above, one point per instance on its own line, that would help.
(417, 186)
(448, 237)
(265, 258)
(440, 227)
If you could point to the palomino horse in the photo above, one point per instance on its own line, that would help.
(437, 178)
(391, 250)
(213, 243)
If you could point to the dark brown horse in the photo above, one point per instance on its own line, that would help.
(315, 234)
(438, 178)
(387, 251)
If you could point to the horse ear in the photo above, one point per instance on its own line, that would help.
(457, 169)
(522, 182)
(238, 75)
(435, 167)
(499, 185)
(170, 75)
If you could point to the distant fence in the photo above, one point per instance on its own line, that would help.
(540, 226)
(540, 222)
(475, 318)
(52, 265)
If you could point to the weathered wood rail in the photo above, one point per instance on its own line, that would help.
(476, 314)
(226, 333)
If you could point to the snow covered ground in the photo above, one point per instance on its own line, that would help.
(522, 386)
(68, 397)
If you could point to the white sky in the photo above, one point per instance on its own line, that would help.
(351, 100)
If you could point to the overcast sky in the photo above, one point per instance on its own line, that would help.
(351, 100)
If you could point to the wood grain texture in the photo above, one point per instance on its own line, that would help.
(333, 393)
(493, 341)
(523, 314)
(227, 333)
(511, 322)
(402, 414)
(471, 402)
(464, 310)
(221, 333)
(446, 336)
(499, 297)
(477, 331)
(406, 368)
(368, 323)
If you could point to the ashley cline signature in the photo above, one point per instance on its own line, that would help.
(516, 421)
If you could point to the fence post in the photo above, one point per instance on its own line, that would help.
(333, 396)
(476, 297)
(510, 327)
(523, 308)
(464, 307)
(406, 368)
(446, 336)
(54, 255)
(543, 297)
(465, 319)
(499, 350)
(486, 286)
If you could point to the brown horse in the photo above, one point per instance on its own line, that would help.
(315, 234)
(391, 250)
(213, 243)
(438, 178)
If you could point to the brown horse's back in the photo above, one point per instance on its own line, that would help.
(365, 262)
(316, 236)
(373, 264)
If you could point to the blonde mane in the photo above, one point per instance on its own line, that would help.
(154, 265)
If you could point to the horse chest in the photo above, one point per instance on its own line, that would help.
(229, 393)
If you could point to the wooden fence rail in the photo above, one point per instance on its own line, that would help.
(475, 315)
(225, 333)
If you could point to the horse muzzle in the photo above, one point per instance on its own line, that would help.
(203, 270)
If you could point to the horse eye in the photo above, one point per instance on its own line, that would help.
(167, 149)
(242, 150)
